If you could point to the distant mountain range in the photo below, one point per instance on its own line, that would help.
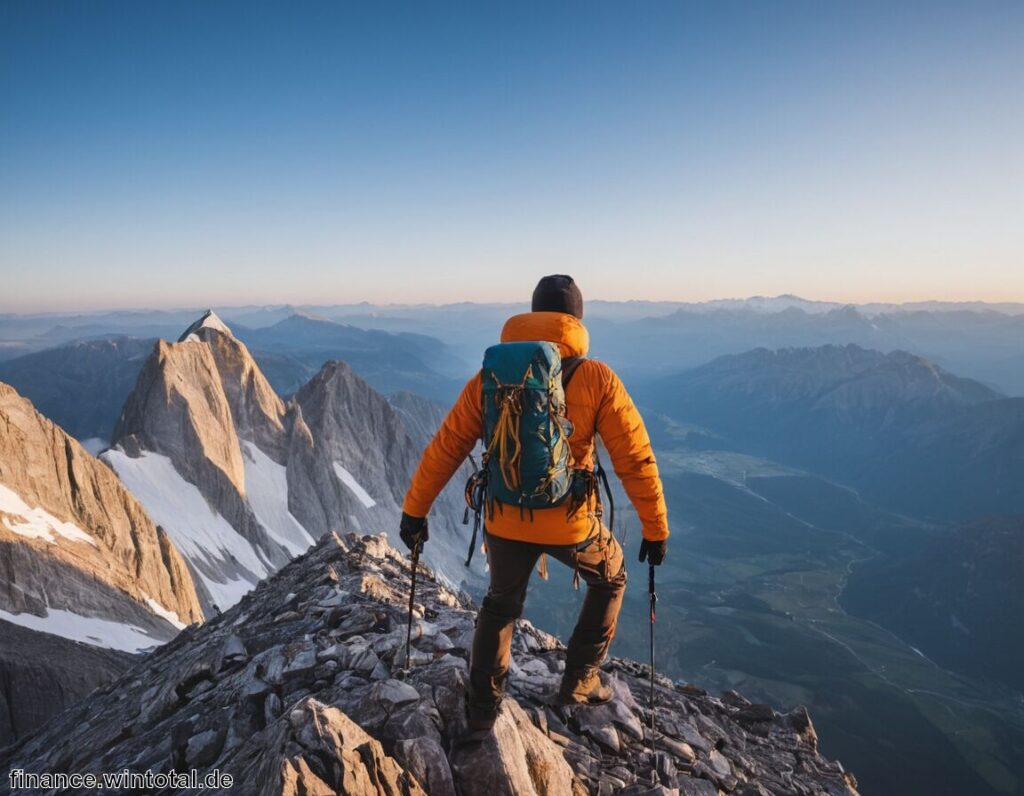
(639, 338)
(391, 362)
(906, 433)
(83, 385)
(971, 343)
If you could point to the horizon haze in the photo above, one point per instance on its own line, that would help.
(768, 302)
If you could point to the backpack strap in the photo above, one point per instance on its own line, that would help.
(569, 365)
(603, 476)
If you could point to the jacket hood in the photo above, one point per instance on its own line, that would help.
(567, 331)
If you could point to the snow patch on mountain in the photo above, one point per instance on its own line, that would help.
(201, 534)
(266, 487)
(357, 489)
(86, 629)
(212, 321)
(36, 523)
(164, 613)
(209, 321)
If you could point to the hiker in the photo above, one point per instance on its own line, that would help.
(565, 521)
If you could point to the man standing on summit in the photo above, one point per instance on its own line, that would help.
(540, 490)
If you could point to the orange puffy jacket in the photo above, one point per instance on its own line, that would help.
(596, 402)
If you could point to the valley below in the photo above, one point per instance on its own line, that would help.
(753, 598)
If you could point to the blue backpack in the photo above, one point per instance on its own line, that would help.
(527, 463)
(526, 432)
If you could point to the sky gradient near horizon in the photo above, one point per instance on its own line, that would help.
(200, 153)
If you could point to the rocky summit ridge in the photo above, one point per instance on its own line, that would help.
(303, 688)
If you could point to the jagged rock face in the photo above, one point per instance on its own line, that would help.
(79, 557)
(203, 426)
(352, 462)
(256, 409)
(353, 430)
(81, 517)
(303, 688)
(201, 442)
(179, 409)
(422, 416)
(317, 749)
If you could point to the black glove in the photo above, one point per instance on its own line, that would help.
(654, 552)
(413, 530)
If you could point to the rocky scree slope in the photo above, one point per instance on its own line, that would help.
(302, 688)
(81, 563)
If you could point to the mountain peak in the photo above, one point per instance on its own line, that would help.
(210, 320)
(307, 315)
(332, 368)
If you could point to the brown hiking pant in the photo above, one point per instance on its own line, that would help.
(599, 563)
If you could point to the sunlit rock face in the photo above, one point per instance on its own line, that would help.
(81, 563)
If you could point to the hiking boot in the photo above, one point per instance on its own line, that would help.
(584, 688)
(480, 719)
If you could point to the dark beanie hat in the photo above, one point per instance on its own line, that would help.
(558, 293)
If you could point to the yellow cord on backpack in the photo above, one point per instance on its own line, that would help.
(505, 439)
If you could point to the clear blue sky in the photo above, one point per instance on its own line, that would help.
(209, 152)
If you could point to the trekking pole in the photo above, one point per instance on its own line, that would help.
(654, 602)
(412, 597)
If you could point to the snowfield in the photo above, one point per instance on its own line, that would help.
(266, 488)
(164, 613)
(349, 480)
(36, 523)
(86, 629)
(202, 535)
